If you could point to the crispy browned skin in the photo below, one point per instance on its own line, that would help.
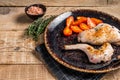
(104, 53)
(100, 34)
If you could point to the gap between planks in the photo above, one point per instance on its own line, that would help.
(16, 20)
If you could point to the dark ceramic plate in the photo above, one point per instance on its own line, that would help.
(76, 59)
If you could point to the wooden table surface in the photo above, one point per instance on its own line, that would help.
(18, 60)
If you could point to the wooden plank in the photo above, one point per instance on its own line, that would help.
(20, 58)
(24, 72)
(54, 2)
(113, 2)
(15, 36)
(113, 75)
(11, 40)
(17, 49)
(14, 18)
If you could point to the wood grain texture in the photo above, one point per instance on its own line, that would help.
(17, 49)
(113, 2)
(16, 19)
(13, 19)
(20, 58)
(10, 40)
(114, 75)
(54, 2)
(38, 72)
(24, 72)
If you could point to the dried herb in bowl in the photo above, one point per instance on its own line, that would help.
(38, 27)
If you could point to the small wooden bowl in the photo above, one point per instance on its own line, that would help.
(43, 7)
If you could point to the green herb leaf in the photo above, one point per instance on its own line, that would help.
(38, 27)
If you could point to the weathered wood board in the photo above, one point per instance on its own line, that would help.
(54, 2)
(24, 72)
(18, 60)
(14, 18)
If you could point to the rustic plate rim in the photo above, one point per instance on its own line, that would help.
(71, 66)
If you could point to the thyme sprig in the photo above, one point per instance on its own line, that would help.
(38, 27)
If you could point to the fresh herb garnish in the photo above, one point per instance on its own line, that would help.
(38, 27)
